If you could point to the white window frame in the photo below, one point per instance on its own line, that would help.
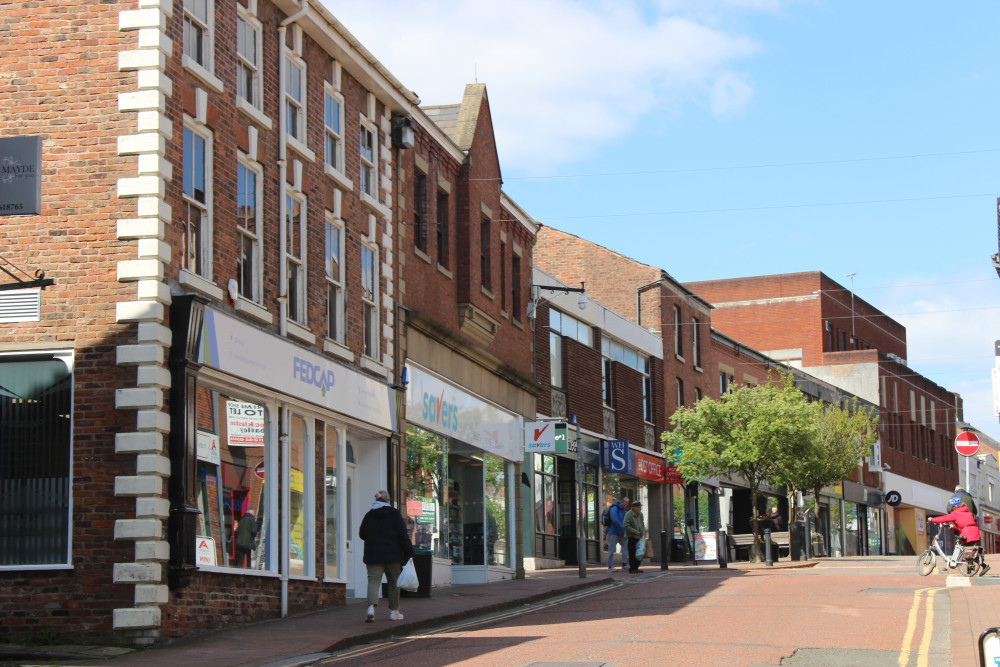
(253, 65)
(201, 66)
(202, 260)
(295, 104)
(335, 278)
(368, 167)
(695, 342)
(369, 282)
(330, 135)
(295, 262)
(678, 337)
(253, 291)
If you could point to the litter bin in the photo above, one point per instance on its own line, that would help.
(796, 540)
(422, 562)
(678, 551)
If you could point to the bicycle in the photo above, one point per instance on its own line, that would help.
(968, 562)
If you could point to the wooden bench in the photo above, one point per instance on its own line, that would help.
(743, 542)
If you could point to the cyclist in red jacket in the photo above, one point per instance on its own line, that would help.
(965, 523)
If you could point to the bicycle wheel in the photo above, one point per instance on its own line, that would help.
(968, 567)
(925, 564)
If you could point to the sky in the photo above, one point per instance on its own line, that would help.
(728, 138)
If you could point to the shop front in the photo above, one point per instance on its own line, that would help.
(906, 527)
(459, 479)
(564, 483)
(274, 450)
(638, 474)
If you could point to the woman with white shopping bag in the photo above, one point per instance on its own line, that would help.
(387, 550)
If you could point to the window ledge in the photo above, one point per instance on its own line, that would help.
(304, 152)
(253, 113)
(421, 254)
(517, 323)
(331, 346)
(444, 270)
(203, 75)
(369, 364)
(373, 204)
(487, 292)
(339, 177)
(254, 310)
(698, 368)
(192, 280)
(679, 358)
(299, 332)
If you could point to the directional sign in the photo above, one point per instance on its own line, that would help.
(966, 443)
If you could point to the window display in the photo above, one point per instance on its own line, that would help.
(231, 448)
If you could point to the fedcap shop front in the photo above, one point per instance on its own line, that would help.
(269, 433)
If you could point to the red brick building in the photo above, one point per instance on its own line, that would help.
(227, 206)
(809, 321)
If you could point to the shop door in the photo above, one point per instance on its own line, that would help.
(354, 567)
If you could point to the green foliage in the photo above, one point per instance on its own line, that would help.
(751, 432)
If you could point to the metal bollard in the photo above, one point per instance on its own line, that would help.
(663, 550)
(720, 541)
(767, 547)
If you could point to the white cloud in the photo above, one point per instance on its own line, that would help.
(564, 77)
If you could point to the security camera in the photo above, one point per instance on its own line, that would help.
(885, 466)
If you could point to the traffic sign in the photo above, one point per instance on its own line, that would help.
(259, 470)
(966, 443)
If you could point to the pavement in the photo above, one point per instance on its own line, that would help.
(304, 638)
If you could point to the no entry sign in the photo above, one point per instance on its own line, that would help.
(966, 443)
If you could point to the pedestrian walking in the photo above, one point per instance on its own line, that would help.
(387, 550)
(246, 538)
(635, 529)
(616, 533)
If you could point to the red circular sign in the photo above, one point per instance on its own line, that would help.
(966, 443)
(259, 470)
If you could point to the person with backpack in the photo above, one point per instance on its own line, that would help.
(966, 499)
(613, 518)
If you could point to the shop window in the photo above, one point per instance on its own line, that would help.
(232, 450)
(331, 505)
(35, 453)
(300, 509)
(545, 494)
(591, 526)
(466, 512)
(498, 551)
(426, 478)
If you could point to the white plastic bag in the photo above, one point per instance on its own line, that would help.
(407, 580)
(640, 549)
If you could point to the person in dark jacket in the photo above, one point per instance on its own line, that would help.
(966, 498)
(246, 538)
(387, 550)
(616, 533)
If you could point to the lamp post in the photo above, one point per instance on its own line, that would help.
(582, 504)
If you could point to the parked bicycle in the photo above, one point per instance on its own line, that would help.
(967, 560)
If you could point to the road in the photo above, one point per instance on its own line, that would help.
(864, 612)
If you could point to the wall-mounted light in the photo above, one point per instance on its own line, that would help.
(402, 132)
(536, 296)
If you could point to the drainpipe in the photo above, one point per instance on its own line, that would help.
(282, 188)
(283, 286)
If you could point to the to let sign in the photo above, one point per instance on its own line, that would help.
(966, 443)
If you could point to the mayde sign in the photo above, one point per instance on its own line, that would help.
(20, 175)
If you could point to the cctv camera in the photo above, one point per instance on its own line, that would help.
(885, 466)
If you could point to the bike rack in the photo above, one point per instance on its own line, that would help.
(989, 647)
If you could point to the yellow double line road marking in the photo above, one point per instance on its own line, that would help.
(925, 596)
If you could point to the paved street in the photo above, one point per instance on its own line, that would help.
(840, 612)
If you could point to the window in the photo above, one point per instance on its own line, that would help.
(484, 252)
(697, 394)
(695, 343)
(607, 383)
(555, 359)
(561, 324)
(198, 32)
(295, 106)
(233, 442)
(723, 385)
(678, 340)
(503, 276)
(295, 254)
(197, 219)
(515, 286)
(647, 395)
(302, 510)
(426, 481)
(443, 213)
(420, 211)
(680, 392)
(36, 405)
(248, 227)
(334, 280)
(333, 123)
(369, 281)
(829, 335)
(546, 479)
(612, 350)
(368, 178)
(248, 79)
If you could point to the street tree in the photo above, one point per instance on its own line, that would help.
(750, 432)
(841, 437)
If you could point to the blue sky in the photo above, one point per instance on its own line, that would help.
(727, 138)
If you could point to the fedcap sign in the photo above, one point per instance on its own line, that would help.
(20, 176)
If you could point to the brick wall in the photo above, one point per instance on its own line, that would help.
(582, 378)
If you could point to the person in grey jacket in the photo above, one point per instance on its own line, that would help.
(387, 549)
(635, 530)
